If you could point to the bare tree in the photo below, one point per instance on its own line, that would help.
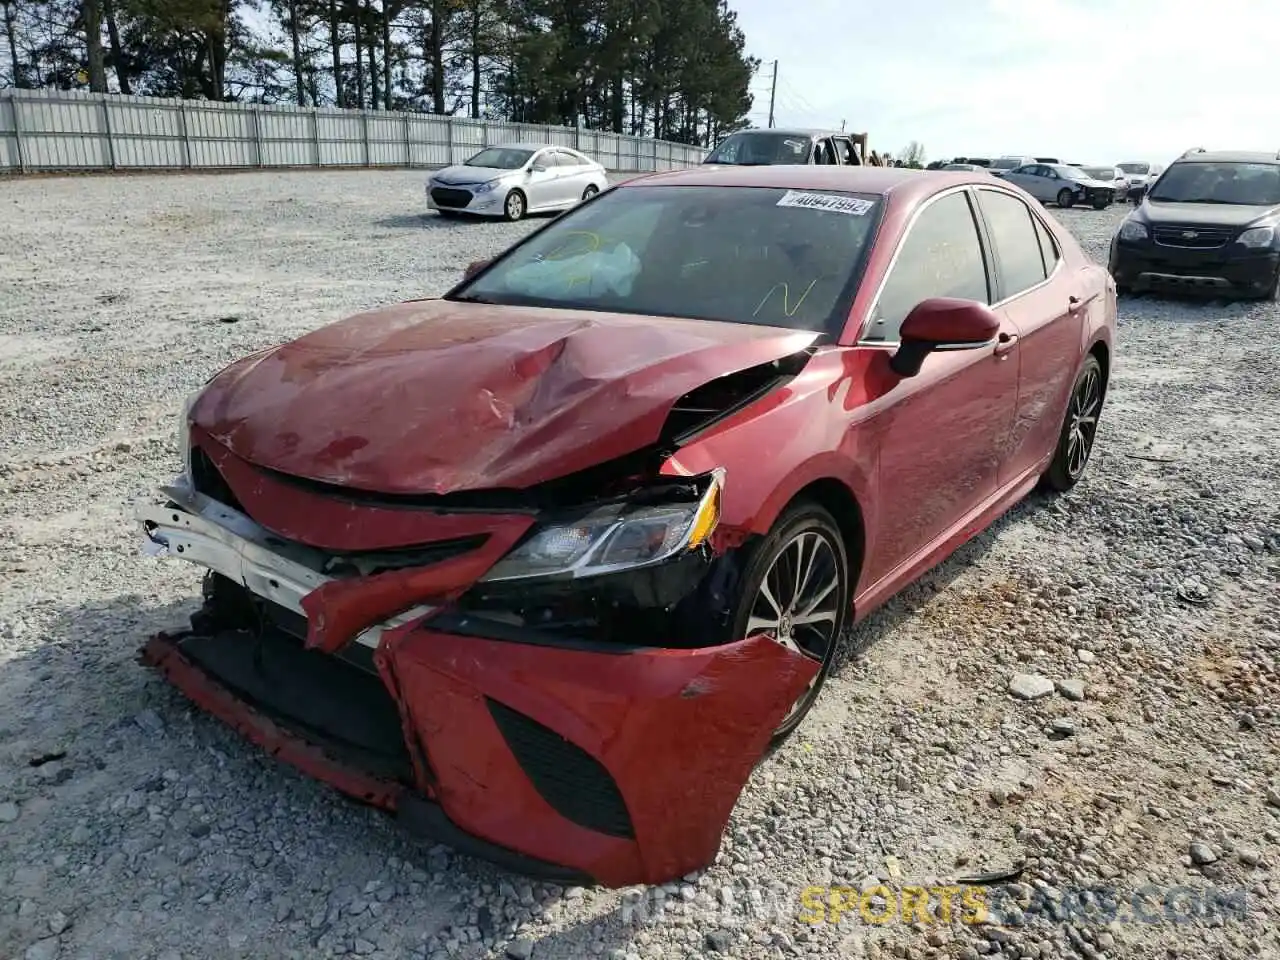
(11, 34)
(91, 15)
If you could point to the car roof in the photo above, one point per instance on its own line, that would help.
(1230, 156)
(911, 184)
(526, 145)
(791, 132)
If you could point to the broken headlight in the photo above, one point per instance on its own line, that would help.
(620, 538)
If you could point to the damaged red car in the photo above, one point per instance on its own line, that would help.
(545, 565)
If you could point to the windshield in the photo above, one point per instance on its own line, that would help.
(500, 158)
(960, 166)
(1139, 168)
(1006, 163)
(1246, 184)
(1100, 173)
(762, 148)
(1069, 173)
(773, 257)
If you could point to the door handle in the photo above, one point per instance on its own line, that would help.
(1005, 342)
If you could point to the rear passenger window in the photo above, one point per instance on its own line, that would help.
(940, 257)
(1017, 246)
(1048, 246)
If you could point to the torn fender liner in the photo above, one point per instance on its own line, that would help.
(677, 732)
(437, 397)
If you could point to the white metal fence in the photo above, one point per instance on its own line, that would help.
(72, 130)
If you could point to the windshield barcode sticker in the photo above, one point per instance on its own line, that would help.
(834, 203)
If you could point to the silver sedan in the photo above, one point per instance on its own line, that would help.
(513, 179)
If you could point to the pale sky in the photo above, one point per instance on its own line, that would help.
(1087, 81)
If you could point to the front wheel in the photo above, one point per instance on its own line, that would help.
(513, 208)
(1101, 204)
(1079, 428)
(1066, 198)
(1274, 292)
(796, 587)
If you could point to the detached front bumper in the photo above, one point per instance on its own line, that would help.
(1148, 266)
(618, 766)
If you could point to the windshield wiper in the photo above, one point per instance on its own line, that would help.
(474, 298)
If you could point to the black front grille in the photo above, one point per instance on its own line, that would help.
(574, 783)
(1192, 238)
(208, 479)
(323, 699)
(447, 197)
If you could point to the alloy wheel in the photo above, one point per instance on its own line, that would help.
(590, 192)
(1083, 421)
(798, 603)
(515, 205)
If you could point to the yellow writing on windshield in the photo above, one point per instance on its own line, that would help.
(577, 243)
(787, 309)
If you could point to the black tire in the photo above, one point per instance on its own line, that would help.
(1274, 293)
(448, 214)
(590, 192)
(1066, 198)
(1083, 410)
(774, 555)
(515, 206)
(1101, 204)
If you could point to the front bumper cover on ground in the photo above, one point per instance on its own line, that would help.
(622, 767)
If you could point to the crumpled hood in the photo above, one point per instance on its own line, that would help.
(437, 396)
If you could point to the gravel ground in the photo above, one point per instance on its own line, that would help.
(1143, 606)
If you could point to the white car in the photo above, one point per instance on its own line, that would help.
(513, 179)
(1140, 174)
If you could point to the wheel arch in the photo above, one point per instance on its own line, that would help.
(1100, 350)
(837, 499)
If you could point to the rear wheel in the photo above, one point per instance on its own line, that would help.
(590, 192)
(1066, 198)
(796, 587)
(1079, 427)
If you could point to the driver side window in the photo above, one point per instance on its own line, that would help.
(941, 256)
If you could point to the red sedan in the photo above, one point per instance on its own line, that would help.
(545, 565)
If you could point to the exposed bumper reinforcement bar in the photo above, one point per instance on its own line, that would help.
(195, 528)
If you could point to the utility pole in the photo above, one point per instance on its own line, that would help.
(773, 90)
(842, 126)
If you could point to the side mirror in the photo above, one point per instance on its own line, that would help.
(942, 323)
(474, 267)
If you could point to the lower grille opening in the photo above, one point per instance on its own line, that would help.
(329, 701)
(447, 197)
(574, 783)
